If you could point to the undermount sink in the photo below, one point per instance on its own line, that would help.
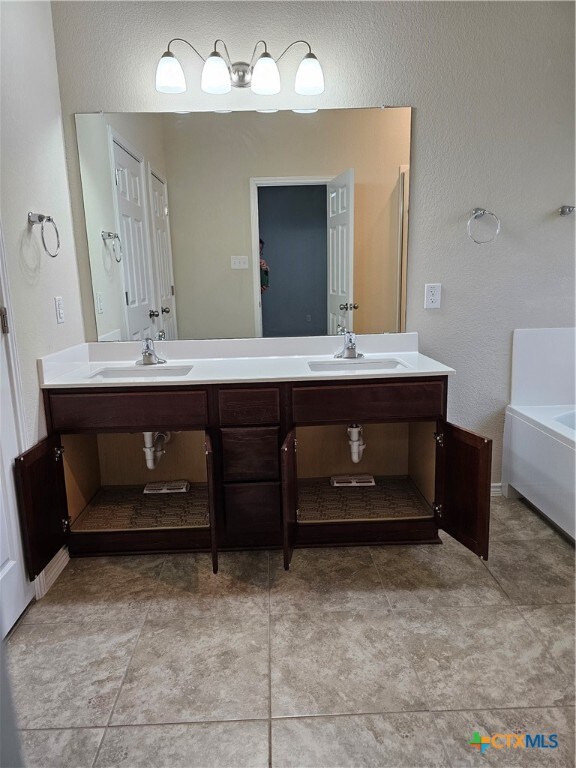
(143, 372)
(356, 364)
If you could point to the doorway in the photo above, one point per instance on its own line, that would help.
(292, 232)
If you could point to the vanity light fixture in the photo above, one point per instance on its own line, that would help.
(220, 73)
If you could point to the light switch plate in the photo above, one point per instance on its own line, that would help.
(239, 262)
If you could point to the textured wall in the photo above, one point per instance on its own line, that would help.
(493, 89)
(33, 174)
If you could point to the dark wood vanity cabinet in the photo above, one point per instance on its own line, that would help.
(251, 466)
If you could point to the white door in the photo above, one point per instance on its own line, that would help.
(162, 255)
(136, 259)
(340, 213)
(16, 591)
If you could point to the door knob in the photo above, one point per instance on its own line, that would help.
(343, 307)
(165, 310)
(353, 306)
(153, 313)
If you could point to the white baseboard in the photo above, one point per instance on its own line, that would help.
(44, 580)
(496, 489)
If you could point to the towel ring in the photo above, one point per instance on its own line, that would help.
(477, 213)
(114, 236)
(40, 218)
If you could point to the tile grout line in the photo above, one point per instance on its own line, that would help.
(384, 590)
(97, 755)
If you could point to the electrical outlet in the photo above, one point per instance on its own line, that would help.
(239, 262)
(99, 305)
(432, 295)
(59, 307)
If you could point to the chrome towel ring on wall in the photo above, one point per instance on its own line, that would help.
(114, 236)
(477, 214)
(40, 218)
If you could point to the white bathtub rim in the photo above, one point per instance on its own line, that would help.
(543, 417)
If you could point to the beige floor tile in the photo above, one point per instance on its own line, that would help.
(457, 730)
(62, 748)
(68, 675)
(209, 668)
(534, 572)
(513, 519)
(401, 740)
(195, 745)
(326, 580)
(485, 657)
(554, 624)
(341, 662)
(187, 586)
(100, 588)
(448, 574)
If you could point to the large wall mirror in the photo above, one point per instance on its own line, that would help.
(207, 225)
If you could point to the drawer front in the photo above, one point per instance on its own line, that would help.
(369, 402)
(253, 514)
(249, 406)
(128, 411)
(250, 454)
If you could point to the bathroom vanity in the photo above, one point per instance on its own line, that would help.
(250, 407)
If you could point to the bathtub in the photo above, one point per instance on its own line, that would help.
(539, 459)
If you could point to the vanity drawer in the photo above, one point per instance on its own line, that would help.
(249, 406)
(369, 402)
(250, 454)
(128, 411)
(253, 514)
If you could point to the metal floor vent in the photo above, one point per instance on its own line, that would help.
(352, 480)
(168, 486)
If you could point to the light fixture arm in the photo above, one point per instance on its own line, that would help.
(255, 49)
(296, 42)
(181, 40)
(229, 62)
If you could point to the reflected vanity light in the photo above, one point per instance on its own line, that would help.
(220, 73)
(304, 111)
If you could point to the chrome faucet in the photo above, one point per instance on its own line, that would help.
(149, 356)
(349, 351)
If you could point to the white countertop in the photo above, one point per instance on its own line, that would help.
(228, 361)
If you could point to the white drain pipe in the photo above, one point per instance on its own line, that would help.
(356, 442)
(154, 443)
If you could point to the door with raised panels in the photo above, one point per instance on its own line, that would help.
(162, 256)
(136, 259)
(340, 224)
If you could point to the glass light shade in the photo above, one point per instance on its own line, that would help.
(304, 111)
(170, 75)
(265, 76)
(309, 77)
(215, 75)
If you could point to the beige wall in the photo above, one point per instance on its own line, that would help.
(210, 160)
(33, 178)
(144, 134)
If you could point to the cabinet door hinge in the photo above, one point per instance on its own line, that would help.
(58, 451)
(66, 524)
(437, 509)
(439, 437)
(4, 320)
(297, 515)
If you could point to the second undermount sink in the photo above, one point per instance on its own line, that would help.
(143, 372)
(356, 364)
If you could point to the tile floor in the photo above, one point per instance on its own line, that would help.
(384, 656)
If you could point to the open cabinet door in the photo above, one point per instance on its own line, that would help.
(211, 503)
(463, 487)
(289, 496)
(42, 503)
